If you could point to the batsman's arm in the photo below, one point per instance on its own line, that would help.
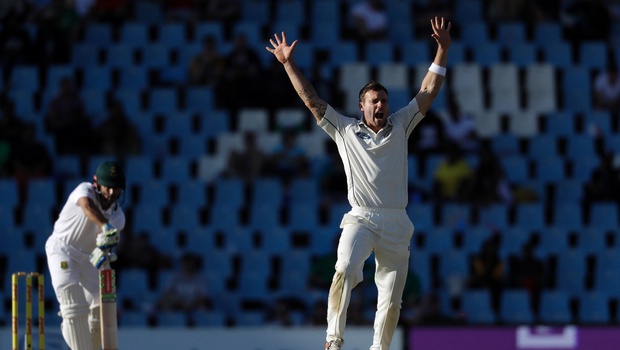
(91, 211)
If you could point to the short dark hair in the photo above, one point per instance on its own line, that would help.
(372, 86)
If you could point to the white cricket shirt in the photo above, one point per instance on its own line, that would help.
(375, 163)
(75, 229)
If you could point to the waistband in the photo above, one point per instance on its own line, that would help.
(379, 210)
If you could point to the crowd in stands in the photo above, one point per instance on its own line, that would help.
(466, 169)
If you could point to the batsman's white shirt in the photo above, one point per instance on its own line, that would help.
(75, 229)
(375, 163)
(73, 239)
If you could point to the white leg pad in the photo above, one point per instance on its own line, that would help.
(94, 322)
(75, 309)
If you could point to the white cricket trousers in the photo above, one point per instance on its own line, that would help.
(387, 232)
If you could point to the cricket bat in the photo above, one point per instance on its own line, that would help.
(107, 295)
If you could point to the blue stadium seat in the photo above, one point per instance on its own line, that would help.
(505, 145)
(571, 270)
(522, 54)
(25, 78)
(558, 53)
(560, 123)
(542, 147)
(172, 35)
(147, 218)
(156, 56)
(547, 32)
(576, 87)
(516, 167)
(453, 265)
(251, 30)
(291, 9)
(343, 52)
(401, 31)
(568, 190)
(513, 239)
(495, 215)
(303, 216)
(120, 56)
(325, 35)
(203, 318)
(163, 100)
(199, 100)
(8, 193)
(134, 34)
(99, 34)
(131, 100)
(422, 216)
(85, 55)
(554, 307)
(171, 319)
(568, 215)
(580, 146)
(510, 33)
(249, 319)
(604, 215)
(378, 52)
(185, 217)
(594, 308)
(476, 304)
(304, 190)
(419, 263)
(149, 12)
(256, 11)
(415, 51)
(134, 77)
(593, 54)
(550, 169)
(209, 28)
(531, 216)
(592, 240)
(154, 192)
(601, 120)
(439, 240)
(224, 216)
(466, 11)
(583, 167)
(515, 307)
(218, 263)
(487, 53)
(474, 33)
(56, 73)
(133, 319)
(98, 78)
(42, 192)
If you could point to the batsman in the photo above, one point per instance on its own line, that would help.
(87, 229)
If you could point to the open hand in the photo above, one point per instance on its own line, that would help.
(281, 49)
(441, 31)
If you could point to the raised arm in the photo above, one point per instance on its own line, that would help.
(307, 93)
(435, 76)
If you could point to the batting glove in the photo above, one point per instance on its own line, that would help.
(108, 238)
(99, 256)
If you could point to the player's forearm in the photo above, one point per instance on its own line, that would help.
(92, 212)
(432, 81)
(305, 90)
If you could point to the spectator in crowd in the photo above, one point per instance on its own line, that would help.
(487, 270)
(586, 20)
(428, 137)
(15, 43)
(241, 75)
(59, 26)
(452, 176)
(11, 131)
(369, 20)
(528, 271)
(226, 11)
(515, 10)
(182, 10)
(431, 313)
(137, 251)
(604, 183)
(248, 163)
(607, 88)
(489, 183)
(288, 160)
(207, 66)
(187, 289)
(66, 119)
(30, 159)
(332, 179)
(113, 11)
(117, 135)
(460, 128)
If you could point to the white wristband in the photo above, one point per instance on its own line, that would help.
(437, 69)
